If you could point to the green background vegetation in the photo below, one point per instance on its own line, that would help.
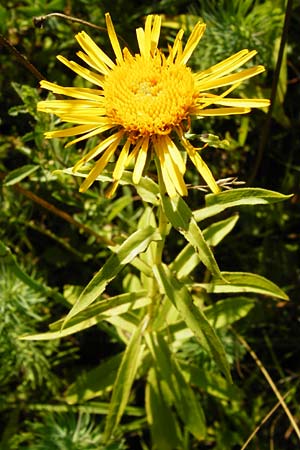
(54, 239)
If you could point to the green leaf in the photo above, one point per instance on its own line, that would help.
(17, 175)
(195, 319)
(135, 244)
(183, 397)
(118, 206)
(124, 380)
(163, 425)
(181, 217)
(92, 384)
(101, 310)
(243, 282)
(147, 189)
(216, 232)
(185, 262)
(211, 382)
(229, 310)
(216, 203)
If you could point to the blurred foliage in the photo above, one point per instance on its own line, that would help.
(57, 238)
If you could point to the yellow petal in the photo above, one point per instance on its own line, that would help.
(102, 68)
(140, 161)
(227, 65)
(120, 164)
(201, 166)
(175, 175)
(170, 188)
(113, 38)
(80, 93)
(73, 131)
(92, 133)
(222, 111)
(140, 35)
(98, 167)
(134, 153)
(176, 45)
(113, 139)
(192, 43)
(175, 154)
(93, 51)
(244, 102)
(155, 33)
(230, 79)
(82, 71)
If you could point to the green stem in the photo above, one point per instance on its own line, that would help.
(158, 248)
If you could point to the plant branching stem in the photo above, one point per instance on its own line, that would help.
(22, 59)
(39, 22)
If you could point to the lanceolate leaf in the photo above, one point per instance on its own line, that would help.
(216, 203)
(183, 397)
(91, 384)
(195, 319)
(134, 245)
(181, 217)
(125, 378)
(17, 175)
(161, 418)
(101, 310)
(243, 282)
(216, 232)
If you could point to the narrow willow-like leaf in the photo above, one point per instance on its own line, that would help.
(223, 313)
(90, 408)
(91, 384)
(243, 282)
(181, 217)
(216, 203)
(229, 310)
(123, 383)
(184, 400)
(217, 231)
(195, 319)
(101, 310)
(163, 425)
(210, 381)
(147, 189)
(186, 261)
(17, 175)
(134, 245)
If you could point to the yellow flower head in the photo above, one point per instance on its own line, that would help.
(145, 100)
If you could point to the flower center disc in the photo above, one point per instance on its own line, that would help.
(149, 96)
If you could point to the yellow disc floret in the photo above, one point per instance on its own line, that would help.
(149, 96)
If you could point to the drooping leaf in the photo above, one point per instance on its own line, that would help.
(217, 231)
(124, 380)
(228, 310)
(163, 425)
(210, 381)
(102, 310)
(216, 203)
(181, 217)
(237, 282)
(17, 175)
(181, 394)
(195, 319)
(91, 384)
(133, 246)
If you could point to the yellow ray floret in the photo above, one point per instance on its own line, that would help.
(144, 103)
